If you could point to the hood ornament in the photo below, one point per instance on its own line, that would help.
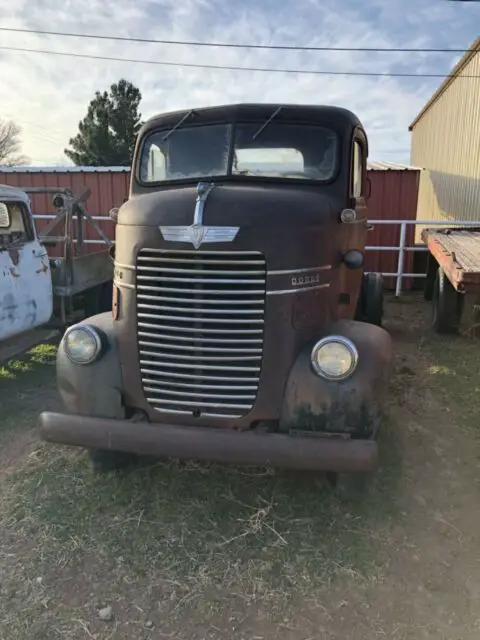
(197, 233)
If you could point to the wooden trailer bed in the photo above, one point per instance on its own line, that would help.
(457, 252)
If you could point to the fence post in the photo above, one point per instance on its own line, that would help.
(401, 259)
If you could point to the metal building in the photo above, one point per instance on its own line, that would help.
(446, 144)
(394, 189)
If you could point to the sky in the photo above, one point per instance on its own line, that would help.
(48, 95)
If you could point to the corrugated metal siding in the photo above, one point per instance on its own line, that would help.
(393, 197)
(109, 188)
(446, 142)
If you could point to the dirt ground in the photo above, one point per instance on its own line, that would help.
(193, 551)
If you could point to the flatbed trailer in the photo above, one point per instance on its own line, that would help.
(453, 274)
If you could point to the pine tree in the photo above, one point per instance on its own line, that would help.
(107, 134)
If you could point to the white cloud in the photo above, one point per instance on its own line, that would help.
(48, 95)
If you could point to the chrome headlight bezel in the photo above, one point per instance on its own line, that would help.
(344, 342)
(93, 334)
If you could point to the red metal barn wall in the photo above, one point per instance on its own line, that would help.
(109, 187)
(394, 194)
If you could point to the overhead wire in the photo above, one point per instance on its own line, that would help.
(230, 45)
(195, 65)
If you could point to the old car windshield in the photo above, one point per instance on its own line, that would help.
(192, 152)
(285, 150)
(282, 150)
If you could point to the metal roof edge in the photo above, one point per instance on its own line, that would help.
(63, 169)
(390, 166)
(464, 60)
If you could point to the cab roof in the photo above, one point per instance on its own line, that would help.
(257, 112)
(13, 193)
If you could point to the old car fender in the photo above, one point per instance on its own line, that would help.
(94, 389)
(351, 406)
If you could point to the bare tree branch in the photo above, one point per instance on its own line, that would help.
(10, 145)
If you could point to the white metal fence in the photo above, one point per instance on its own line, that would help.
(402, 247)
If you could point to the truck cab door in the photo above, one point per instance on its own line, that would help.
(26, 296)
(354, 234)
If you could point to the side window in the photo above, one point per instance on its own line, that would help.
(357, 169)
(14, 224)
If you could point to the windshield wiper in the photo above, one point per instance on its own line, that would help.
(265, 124)
(179, 124)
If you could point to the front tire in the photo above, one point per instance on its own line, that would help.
(104, 461)
(351, 485)
(370, 302)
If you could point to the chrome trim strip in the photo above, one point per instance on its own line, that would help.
(212, 320)
(205, 414)
(193, 376)
(286, 272)
(131, 267)
(198, 254)
(210, 387)
(202, 280)
(187, 403)
(189, 366)
(201, 301)
(149, 325)
(197, 259)
(125, 285)
(191, 310)
(202, 272)
(175, 338)
(190, 349)
(196, 394)
(213, 292)
(282, 292)
(193, 356)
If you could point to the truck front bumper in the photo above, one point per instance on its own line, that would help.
(300, 451)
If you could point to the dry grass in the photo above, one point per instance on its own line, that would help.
(167, 541)
(187, 550)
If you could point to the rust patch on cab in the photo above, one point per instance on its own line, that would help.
(14, 255)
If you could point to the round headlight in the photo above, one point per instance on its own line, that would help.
(82, 344)
(334, 358)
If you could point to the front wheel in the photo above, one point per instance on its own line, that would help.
(104, 460)
(370, 302)
(351, 485)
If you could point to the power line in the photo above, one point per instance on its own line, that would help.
(192, 65)
(229, 45)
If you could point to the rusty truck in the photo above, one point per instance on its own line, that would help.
(243, 327)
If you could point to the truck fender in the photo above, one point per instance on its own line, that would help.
(352, 406)
(94, 389)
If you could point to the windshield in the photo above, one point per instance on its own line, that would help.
(282, 150)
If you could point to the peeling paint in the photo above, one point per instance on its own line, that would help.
(43, 269)
(26, 295)
(14, 254)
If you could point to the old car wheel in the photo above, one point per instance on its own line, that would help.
(447, 305)
(370, 304)
(104, 460)
(351, 485)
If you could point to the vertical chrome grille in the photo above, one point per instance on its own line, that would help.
(200, 318)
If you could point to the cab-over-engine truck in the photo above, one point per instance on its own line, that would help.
(238, 275)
